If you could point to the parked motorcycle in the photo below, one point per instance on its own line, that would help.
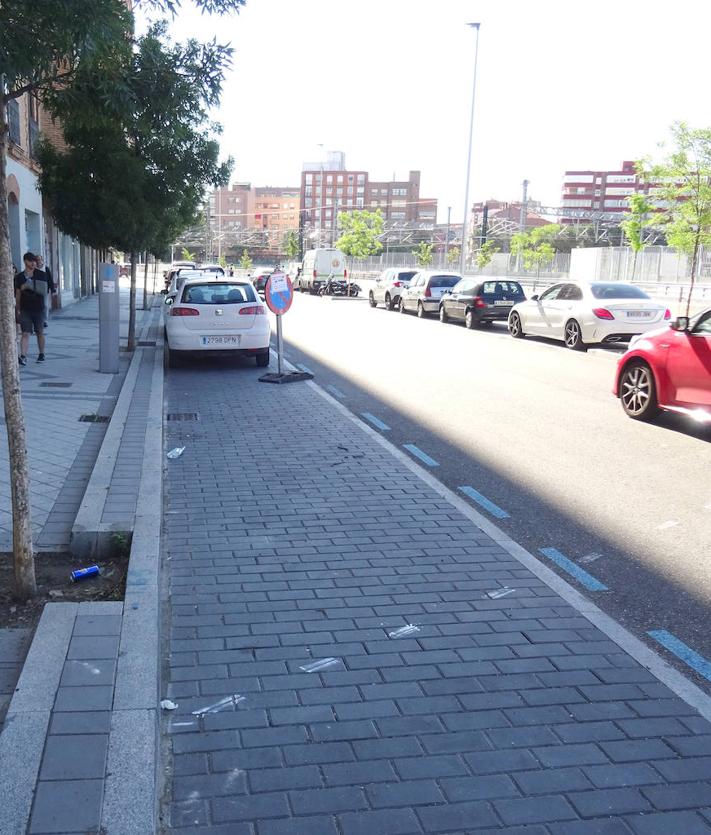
(339, 287)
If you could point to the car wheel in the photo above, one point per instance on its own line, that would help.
(401, 306)
(420, 310)
(443, 315)
(515, 326)
(389, 302)
(371, 299)
(470, 319)
(574, 336)
(263, 359)
(638, 393)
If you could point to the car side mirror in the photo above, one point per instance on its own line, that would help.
(681, 323)
(534, 298)
(169, 300)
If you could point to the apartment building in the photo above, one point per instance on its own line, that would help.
(604, 193)
(243, 208)
(276, 210)
(328, 188)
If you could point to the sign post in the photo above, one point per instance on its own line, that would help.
(279, 294)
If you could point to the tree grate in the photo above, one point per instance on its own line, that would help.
(91, 418)
(57, 385)
(148, 343)
(183, 416)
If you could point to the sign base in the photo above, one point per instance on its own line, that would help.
(288, 377)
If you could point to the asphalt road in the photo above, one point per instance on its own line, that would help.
(534, 429)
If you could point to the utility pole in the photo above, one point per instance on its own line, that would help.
(522, 220)
(463, 253)
(446, 240)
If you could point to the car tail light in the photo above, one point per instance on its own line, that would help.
(345, 273)
(315, 274)
(428, 293)
(252, 310)
(602, 313)
(184, 311)
(397, 284)
(479, 302)
(667, 314)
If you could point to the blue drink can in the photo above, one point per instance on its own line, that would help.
(83, 573)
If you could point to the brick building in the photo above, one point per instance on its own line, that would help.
(603, 192)
(328, 188)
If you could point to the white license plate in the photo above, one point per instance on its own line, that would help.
(502, 303)
(638, 314)
(220, 340)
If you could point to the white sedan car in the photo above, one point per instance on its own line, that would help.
(583, 313)
(217, 314)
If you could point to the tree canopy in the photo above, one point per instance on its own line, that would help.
(360, 232)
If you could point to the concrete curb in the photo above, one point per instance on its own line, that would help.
(23, 737)
(90, 539)
(633, 646)
(130, 804)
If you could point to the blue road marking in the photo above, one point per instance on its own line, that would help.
(683, 652)
(336, 392)
(423, 456)
(376, 422)
(574, 570)
(493, 509)
(304, 368)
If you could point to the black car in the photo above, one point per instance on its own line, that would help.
(259, 279)
(477, 302)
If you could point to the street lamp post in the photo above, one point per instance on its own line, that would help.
(463, 253)
(446, 240)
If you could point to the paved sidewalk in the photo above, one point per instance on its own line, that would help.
(62, 449)
(351, 654)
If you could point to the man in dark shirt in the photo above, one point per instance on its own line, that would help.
(31, 286)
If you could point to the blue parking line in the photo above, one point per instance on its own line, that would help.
(493, 509)
(683, 652)
(376, 422)
(304, 368)
(423, 456)
(574, 570)
(336, 392)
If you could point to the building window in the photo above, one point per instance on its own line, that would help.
(350, 178)
(329, 178)
(361, 178)
(399, 192)
(359, 202)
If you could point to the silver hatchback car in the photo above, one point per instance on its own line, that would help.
(426, 289)
(389, 286)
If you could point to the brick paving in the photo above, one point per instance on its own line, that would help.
(292, 538)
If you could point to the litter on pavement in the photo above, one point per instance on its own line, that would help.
(176, 453)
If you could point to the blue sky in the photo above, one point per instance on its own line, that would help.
(560, 85)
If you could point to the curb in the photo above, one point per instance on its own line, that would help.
(676, 681)
(90, 540)
(130, 798)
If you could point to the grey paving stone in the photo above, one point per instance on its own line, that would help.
(481, 787)
(608, 826)
(90, 648)
(66, 806)
(609, 802)
(390, 822)
(78, 699)
(457, 816)
(75, 757)
(688, 823)
(86, 625)
(679, 796)
(250, 807)
(309, 825)
(78, 673)
(344, 774)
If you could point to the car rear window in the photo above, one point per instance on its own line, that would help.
(444, 280)
(613, 290)
(406, 276)
(218, 293)
(502, 288)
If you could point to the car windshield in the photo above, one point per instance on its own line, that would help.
(444, 280)
(223, 293)
(613, 290)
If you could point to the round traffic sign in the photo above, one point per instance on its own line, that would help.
(278, 293)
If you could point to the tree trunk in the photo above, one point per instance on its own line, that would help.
(24, 562)
(694, 261)
(155, 275)
(145, 283)
(132, 306)
(634, 264)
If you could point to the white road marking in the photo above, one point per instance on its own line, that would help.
(671, 523)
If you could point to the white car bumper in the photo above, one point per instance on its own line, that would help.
(602, 330)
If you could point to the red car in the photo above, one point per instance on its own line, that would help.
(668, 369)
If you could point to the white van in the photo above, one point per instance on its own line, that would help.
(318, 266)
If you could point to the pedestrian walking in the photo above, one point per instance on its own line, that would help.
(31, 288)
(50, 284)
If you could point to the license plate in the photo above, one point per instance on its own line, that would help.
(638, 314)
(220, 340)
(502, 303)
